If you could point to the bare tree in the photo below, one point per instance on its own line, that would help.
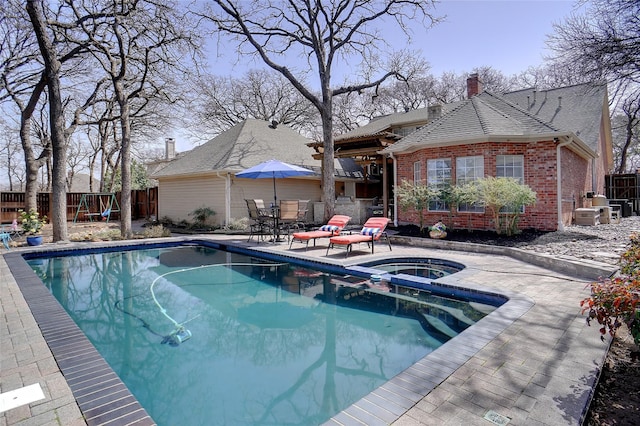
(10, 153)
(547, 76)
(627, 128)
(259, 94)
(604, 44)
(22, 82)
(322, 32)
(137, 45)
(493, 80)
(78, 154)
(52, 70)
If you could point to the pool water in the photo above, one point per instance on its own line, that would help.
(426, 268)
(204, 336)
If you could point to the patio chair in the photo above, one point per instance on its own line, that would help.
(260, 222)
(288, 218)
(303, 209)
(335, 225)
(5, 237)
(372, 231)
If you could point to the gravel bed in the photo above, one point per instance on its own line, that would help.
(603, 243)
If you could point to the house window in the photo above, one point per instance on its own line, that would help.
(439, 176)
(469, 169)
(417, 172)
(510, 166)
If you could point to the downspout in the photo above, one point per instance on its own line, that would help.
(227, 196)
(559, 180)
(395, 195)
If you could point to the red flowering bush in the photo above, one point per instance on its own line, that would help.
(616, 301)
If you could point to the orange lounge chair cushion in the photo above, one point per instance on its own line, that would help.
(351, 239)
(311, 235)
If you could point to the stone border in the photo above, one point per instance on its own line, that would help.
(567, 265)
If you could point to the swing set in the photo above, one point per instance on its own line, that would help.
(97, 204)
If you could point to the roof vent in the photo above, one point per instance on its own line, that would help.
(434, 112)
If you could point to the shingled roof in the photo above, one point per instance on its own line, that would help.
(489, 116)
(577, 108)
(244, 145)
(381, 126)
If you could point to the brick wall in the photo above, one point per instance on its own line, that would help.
(540, 175)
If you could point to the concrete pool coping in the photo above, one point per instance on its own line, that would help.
(533, 362)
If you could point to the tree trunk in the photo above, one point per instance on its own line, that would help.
(125, 162)
(31, 163)
(631, 110)
(56, 122)
(328, 167)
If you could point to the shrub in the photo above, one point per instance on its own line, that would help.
(156, 231)
(31, 222)
(241, 224)
(416, 196)
(201, 215)
(503, 197)
(616, 301)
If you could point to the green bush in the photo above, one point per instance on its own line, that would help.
(201, 215)
(416, 196)
(503, 197)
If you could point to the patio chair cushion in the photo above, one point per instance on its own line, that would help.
(369, 231)
(329, 228)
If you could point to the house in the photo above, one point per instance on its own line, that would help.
(205, 176)
(557, 141)
(363, 145)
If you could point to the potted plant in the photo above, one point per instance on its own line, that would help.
(439, 230)
(32, 224)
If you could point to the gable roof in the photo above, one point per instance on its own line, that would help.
(381, 126)
(244, 145)
(487, 116)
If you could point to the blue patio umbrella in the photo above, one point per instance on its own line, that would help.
(274, 169)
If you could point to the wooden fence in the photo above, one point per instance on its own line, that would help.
(144, 204)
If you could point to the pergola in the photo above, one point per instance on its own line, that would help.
(364, 150)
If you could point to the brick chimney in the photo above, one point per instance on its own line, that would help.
(170, 149)
(474, 85)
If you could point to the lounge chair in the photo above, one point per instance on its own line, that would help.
(372, 231)
(331, 229)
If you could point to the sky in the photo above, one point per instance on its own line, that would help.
(508, 35)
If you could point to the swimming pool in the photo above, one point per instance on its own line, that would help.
(274, 336)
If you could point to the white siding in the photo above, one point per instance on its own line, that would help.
(177, 197)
